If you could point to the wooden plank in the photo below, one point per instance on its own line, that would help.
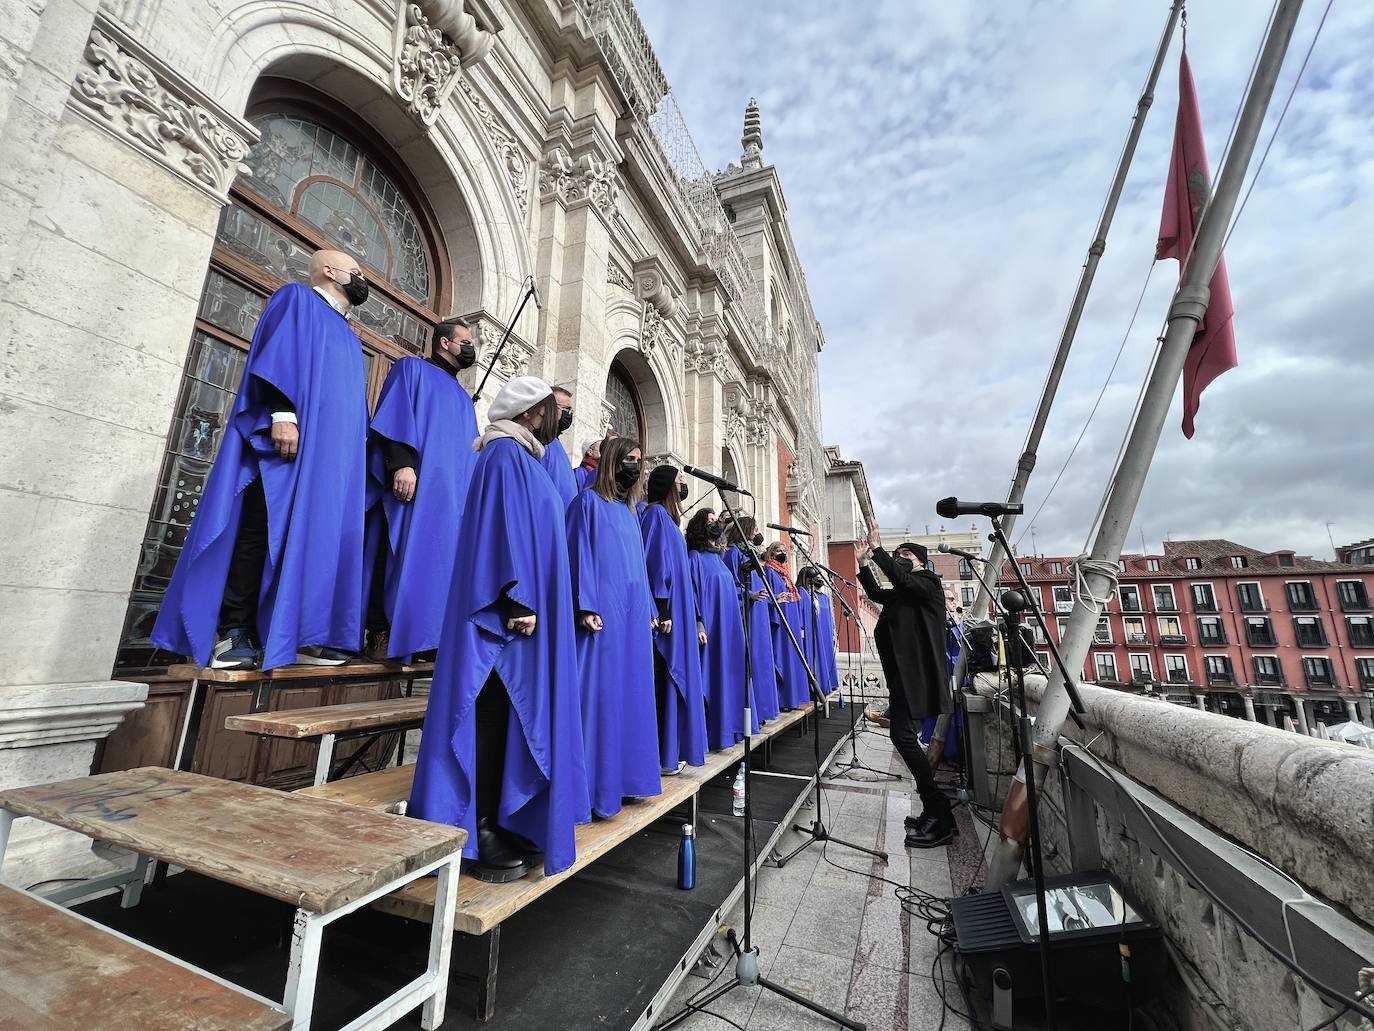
(351, 670)
(482, 906)
(332, 719)
(58, 972)
(379, 791)
(310, 852)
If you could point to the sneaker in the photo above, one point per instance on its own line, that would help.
(878, 717)
(668, 771)
(318, 655)
(933, 831)
(238, 649)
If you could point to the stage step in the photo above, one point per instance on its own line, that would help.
(349, 718)
(380, 791)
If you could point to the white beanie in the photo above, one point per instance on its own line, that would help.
(518, 396)
(590, 443)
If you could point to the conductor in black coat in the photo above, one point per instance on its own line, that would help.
(910, 636)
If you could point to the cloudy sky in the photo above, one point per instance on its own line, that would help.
(944, 166)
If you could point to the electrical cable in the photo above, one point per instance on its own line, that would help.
(1331, 1020)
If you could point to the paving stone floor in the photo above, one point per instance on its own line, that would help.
(830, 928)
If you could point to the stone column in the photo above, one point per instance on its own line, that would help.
(1301, 706)
(1363, 706)
(1249, 704)
(1201, 701)
(1352, 713)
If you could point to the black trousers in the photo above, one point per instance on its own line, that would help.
(492, 715)
(376, 595)
(239, 607)
(906, 738)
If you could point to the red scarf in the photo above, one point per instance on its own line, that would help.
(781, 569)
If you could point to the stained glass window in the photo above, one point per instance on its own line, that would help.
(621, 395)
(316, 174)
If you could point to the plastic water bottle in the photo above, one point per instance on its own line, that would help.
(687, 859)
(738, 791)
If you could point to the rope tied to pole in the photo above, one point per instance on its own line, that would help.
(1082, 567)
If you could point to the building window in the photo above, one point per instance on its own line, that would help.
(1062, 623)
(1164, 598)
(1171, 631)
(1135, 630)
(1106, 668)
(1037, 635)
(1239, 562)
(1063, 599)
(1025, 569)
(311, 187)
(1044, 659)
(1204, 600)
(1364, 669)
(1259, 632)
(1300, 596)
(1130, 597)
(1268, 671)
(1141, 673)
(1121, 565)
(1057, 568)
(1250, 598)
(966, 594)
(1210, 631)
(1285, 560)
(1192, 563)
(1360, 631)
(1353, 596)
(1152, 565)
(627, 419)
(965, 569)
(1318, 671)
(1176, 667)
(1103, 632)
(1310, 632)
(1219, 670)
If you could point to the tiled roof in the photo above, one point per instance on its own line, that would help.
(1214, 553)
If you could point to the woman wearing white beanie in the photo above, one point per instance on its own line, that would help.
(507, 665)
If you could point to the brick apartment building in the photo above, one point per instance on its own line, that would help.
(1228, 628)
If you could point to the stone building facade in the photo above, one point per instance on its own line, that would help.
(168, 163)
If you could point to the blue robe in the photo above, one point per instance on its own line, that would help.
(806, 614)
(312, 577)
(763, 677)
(722, 657)
(615, 665)
(426, 409)
(582, 478)
(560, 470)
(793, 688)
(829, 673)
(513, 542)
(682, 730)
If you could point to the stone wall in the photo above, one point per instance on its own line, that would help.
(1304, 805)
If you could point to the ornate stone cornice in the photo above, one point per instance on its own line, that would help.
(618, 276)
(512, 156)
(515, 358)
(125, 90)
(434, 41)
(585, 178)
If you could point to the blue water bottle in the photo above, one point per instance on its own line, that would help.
(687, 859)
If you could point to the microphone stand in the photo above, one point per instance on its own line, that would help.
(846, 768)
(501, 346)
(747, 954)
(817, 831)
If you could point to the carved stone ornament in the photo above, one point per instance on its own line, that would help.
(585, 178)
(427, 65)
(618, 276)
(515, 358)
(157, 116)
(711, 361)
(652, 329)
(512, 156)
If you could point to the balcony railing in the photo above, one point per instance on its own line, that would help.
(1130, 606)
(1179, 676)
(1268, 679)
(1212, 640)
(1260, 638)
(1220, 678)
(1310, 639)
(1167, 608)
(1253, 607)
(1363, 638)
(1137, 638)
(1173, 640)
(1063, 606)
(1205, 606)
(1321, 682)
(1302, 605)
(1141, 676)
(1359, 604)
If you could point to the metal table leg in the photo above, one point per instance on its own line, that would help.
(324, 759)
(305, 964)
(490, 955)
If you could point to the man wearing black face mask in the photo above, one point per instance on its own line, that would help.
(420, 459)
(910, 636)
(556, 459)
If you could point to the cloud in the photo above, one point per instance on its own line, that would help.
(945, 165)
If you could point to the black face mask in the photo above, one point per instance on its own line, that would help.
(682, 492)
(467, 355)
(714, 530)
(756, 540)
(905, 564)
(355, 289)
(565, 421)
(627, 475)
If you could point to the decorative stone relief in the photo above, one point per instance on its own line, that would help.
(427, 65)
(515, 358)
(158, 114)
(760, 423)
(653, 330)
(710, 359)
(618, 276)
(652, 284)
(586, 177)
(512, 156)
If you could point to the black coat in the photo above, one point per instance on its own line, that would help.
(911, 634)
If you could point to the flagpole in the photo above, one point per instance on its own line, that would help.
(1185, 314)
(1026, 465)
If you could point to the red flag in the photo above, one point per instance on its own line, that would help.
(1214, 347)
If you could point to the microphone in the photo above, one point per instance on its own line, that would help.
(953, 508)
(787, 529)
(534, 292)
(719, 481)
(945, 549)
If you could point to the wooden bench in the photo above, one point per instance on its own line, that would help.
(321, 857)
(483, 907)
(331, 723)
(59, 971)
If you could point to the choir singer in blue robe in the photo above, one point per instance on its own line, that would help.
(828, 667)
(722, 653)
(555, 460)
(677, 642)
(763, 677)
(615, 625)
(794, 688)
(585, 473)
(501, 753)
(271, 570)
(419, 461)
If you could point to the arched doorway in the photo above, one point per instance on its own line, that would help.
(730, 471)
(627, 413)
(316, 181)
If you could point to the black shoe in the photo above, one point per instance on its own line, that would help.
(915, 823)
(237, 649)
(933, 831)
(528, 850)
(319, 655)
(497, 861)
